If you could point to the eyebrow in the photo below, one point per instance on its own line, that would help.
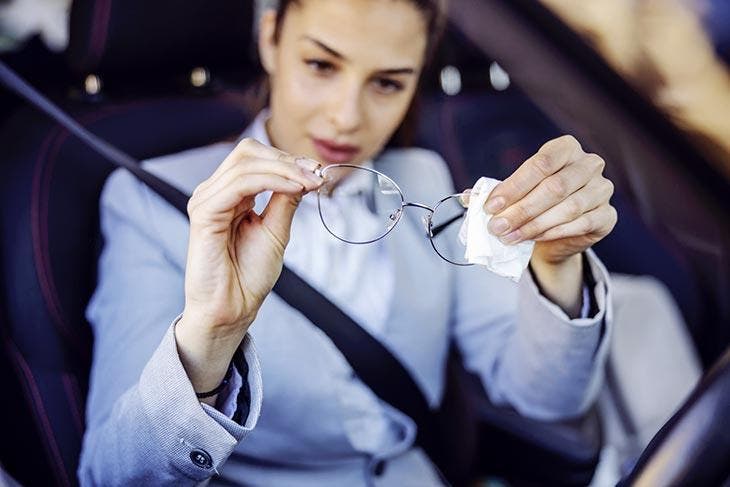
(322, 45)
(325, 47)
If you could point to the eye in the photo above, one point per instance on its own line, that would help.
(320, 66)
(387, 85)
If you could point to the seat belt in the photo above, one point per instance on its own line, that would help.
(438, 431)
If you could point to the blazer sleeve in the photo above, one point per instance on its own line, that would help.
(526, 350)
(144, 422)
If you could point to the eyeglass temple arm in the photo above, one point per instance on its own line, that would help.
(440, 228)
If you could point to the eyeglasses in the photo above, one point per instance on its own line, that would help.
(384, 199)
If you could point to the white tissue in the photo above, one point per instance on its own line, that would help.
(484, 248)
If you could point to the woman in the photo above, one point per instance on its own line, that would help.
(342, 76)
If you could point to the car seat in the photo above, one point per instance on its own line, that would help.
(51, 184)
(150, 96)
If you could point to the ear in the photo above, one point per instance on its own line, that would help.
(267, 43)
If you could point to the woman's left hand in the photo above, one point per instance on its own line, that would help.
(559, 198)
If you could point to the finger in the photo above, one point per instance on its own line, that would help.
(244, 207)
(591, 196)
(296, 168)
(551, 158)
(221, 203)
(308, 180)
(598, 223)
(224, 184)
(550, 192)
(249, 148)
(464, 197)
(295, 172)
(278, 215)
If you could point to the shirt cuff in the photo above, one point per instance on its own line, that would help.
(227, 399)
(585, 308)
(593, 294)
(198, 438)
(573, 350)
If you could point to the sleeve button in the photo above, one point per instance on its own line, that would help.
(201, 458)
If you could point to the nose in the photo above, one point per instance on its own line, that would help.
(346, 111)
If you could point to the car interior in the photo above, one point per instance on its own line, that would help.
(491, 98)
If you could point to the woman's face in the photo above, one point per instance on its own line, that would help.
(342, 75)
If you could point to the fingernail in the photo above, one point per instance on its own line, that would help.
(464, 199)
(498, 226)
(307, 164)
(312, 177)
(495, 204)
(511, 238)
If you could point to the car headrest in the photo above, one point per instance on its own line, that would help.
(141, 38)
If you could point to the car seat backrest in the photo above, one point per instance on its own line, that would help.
(137, 39)
(49, 193)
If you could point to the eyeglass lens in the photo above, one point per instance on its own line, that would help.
(382, 209)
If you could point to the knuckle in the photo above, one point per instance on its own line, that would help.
(246, 147)
(557, 233)
(596, 162)
(610, 187)
(575, 208)
(512, 186)
(545, 162)
(240, 177)
(248, 143)
(520, 214)
(587, 225)
(612, 216)
(549, 145)
(284, 157)
(557, 186)
(571, 141)
(239, 171)
(564, 141)
(531, 229)
(191, 207)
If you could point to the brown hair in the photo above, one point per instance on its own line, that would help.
(434, 12)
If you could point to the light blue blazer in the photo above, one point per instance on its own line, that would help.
(143, 422)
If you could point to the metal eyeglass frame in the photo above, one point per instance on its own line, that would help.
(431, 232)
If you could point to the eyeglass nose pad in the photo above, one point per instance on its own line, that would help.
(393, 217)
(427, 224)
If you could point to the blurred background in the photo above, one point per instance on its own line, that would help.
(644, 83)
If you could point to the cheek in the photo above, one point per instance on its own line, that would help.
(387, 115)
(296, 93)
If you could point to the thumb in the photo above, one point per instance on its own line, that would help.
(278, 214)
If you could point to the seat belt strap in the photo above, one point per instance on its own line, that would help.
(20, 87)
(374, 364)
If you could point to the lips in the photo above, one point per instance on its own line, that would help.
(334, 153)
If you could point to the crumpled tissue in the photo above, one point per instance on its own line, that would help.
(484, 248)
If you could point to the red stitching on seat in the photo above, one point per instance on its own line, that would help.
(99, 29)
(73, 394)
(42, 179)
(39, 207)
(98, 42)
(33, 396)
(48, 290)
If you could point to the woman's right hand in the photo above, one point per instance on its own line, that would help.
(235, 256)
